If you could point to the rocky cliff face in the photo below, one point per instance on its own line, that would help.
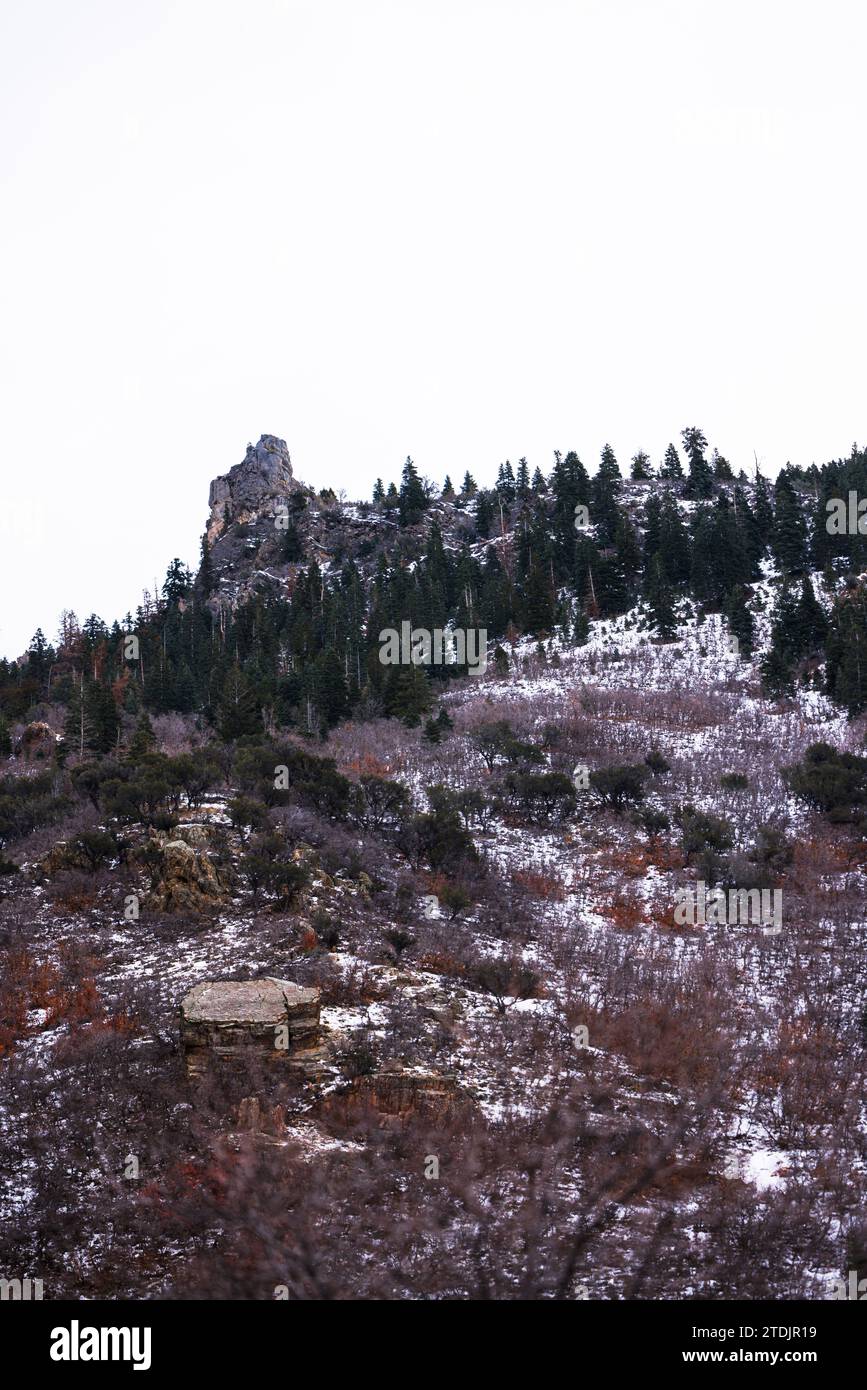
(246, 532)
(253, 488)
(265, 525)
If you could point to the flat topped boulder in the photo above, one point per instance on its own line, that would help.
(225, 1018)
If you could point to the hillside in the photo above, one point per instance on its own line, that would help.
(524, 1074)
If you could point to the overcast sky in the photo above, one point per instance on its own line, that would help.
(467, 230)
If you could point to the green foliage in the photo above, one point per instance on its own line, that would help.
(619, 786)
(310, 781)
(705, 838)
(830, 781)
(29, 802)
(542, 797)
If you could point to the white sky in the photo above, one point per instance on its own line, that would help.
(462, 229)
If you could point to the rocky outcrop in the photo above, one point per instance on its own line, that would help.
(256, 1118)
(255, 486)
(226, 1018)
(184, 879)
(37, 741)
(397, 1092)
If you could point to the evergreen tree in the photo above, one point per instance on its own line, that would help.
(671, 468)
(740, 620)
(660, 597)
(506, 484)
(666, 534)
(628, 553)
(205, 575)
(468, 488)
(408, 694)
(484, 516)
(789, 531)
(846, 648)
(778, 674)
(722, 470)
(239, 710)
(537, 608)
(39, 658)
(177, 583)
(699, 483)
(413, 501)
(143, 740)
(328, 687)
(797, 631)
(604, 509)
(378, 492)
(641, 471)
(763, 508)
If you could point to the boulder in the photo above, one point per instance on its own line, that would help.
(225, 1018)
(185, 880)
(37, 741)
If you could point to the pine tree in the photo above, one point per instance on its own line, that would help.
(778, 676)
(143, 740)
(448, 491)
(413, 501)
(604, 510)
(660, 597)
(581, 627)
(205, 575)
(763, 507)
(39, 658)
(811, 621)
(722, 469)
(628, 553)
(789, 530)
(468, 487)
(641, 471)
(537, 609)
(740, 620)
(846, 648)
(177, 582)
(239, 711)
(506, 483)
(674, 541)
(75, 729)
(409, 694)
(484, 516)
(292, 547)
(671, 468)
(699, 483)
(378, 492)
(328, 684)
